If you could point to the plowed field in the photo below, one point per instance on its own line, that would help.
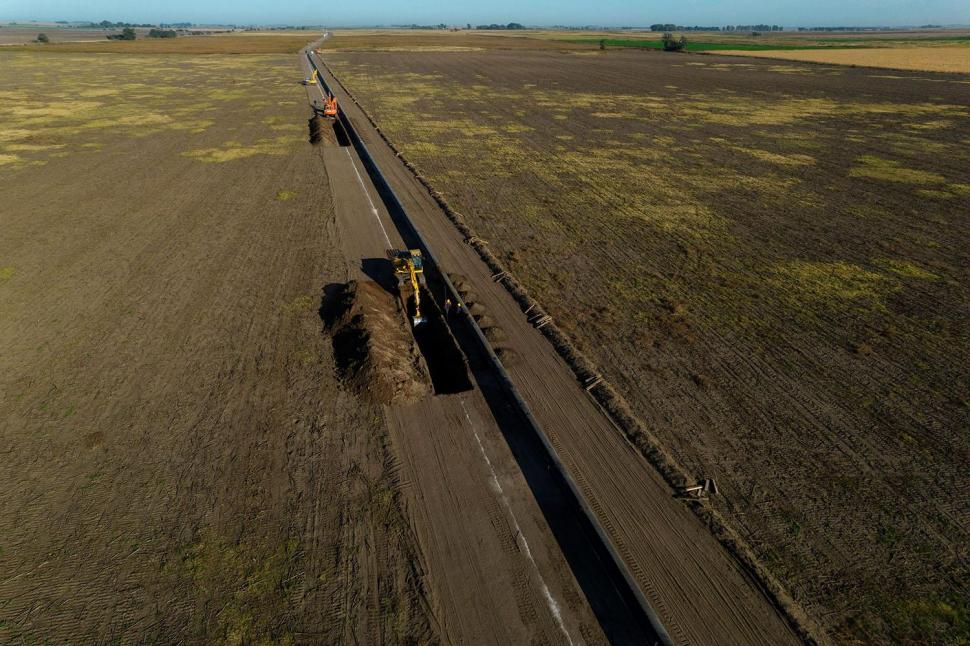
(769, 259)
(179, 462)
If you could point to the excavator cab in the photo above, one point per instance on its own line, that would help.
(330, 107)
(409, 268)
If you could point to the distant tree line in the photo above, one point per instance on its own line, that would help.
(493, 26)
(841, 29)
(107, 24)
(753, 28)
(162, 33)
(672, 27)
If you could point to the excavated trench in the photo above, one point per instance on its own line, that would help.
(447, 365)
(329, 132)
(377, 353)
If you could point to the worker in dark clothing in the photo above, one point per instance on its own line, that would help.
(447, 308)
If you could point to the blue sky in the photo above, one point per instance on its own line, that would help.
(536, 12)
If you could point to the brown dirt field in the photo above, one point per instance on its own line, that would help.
(433, 40)
(767, 259)
(921, 59)
(180, 463)
(237, 43)
(21, 35)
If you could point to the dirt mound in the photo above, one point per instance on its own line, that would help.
(375, 354)
(321, 131)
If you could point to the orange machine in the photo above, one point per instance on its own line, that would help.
(330, 107)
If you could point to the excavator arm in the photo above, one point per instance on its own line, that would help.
(418, 319)
(409, 266)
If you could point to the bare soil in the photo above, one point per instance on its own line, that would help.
(23, 35)
(180, 462)
(275, 42)
(767, 259)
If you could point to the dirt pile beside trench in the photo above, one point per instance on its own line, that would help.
(374, 351)
(321, 131)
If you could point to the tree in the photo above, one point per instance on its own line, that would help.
(162, 33)
(126, 34)
(42, 38)
(673, 44)
(602, 43)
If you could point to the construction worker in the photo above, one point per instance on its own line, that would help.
(447, 308)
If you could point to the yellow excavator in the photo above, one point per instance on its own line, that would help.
(312, 80)
(409, 268)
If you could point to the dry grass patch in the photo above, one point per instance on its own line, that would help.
(893, 171)
(214, 44)
(43, 117)
(935, 59)
(233, 150)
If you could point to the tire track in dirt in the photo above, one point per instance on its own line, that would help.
(553, 605)
(477, 597)
(482, 587)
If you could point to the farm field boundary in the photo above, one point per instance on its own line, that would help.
(613, 404)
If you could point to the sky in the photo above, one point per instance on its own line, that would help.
(617, 13)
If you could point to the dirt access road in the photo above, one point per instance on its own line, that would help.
(700, 593)
(496, 571)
